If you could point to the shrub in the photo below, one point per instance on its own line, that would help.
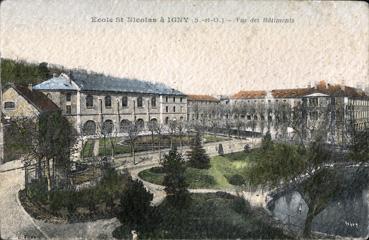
(57, 201)
(236, 179)
(37, 190)
(241, 206)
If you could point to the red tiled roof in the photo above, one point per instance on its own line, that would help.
(202, 98)
(37, 99)
(335, 90)
(292, 93)
(249, 94)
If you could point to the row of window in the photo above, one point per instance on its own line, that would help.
(108, 102)
(174, 99)
(174, 109)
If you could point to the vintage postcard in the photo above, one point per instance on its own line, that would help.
(189, 119)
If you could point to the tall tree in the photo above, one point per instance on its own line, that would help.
(136, 209)
(56, 137)
(174, 180)
(197, 155)
(302, 168)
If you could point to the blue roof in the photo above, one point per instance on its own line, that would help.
(100, 82)
(61, 82)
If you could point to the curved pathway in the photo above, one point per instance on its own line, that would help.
(255, 198)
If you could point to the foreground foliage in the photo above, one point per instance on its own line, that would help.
(216, 215)
(95, 202)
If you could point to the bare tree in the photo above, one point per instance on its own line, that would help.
(172, 131)
(180, 128)
(159, 128)
(132, 130)
(152, 125)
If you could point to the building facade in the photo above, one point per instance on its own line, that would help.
(95, 103)
(201, 106)
(20, 101)
(304, 110)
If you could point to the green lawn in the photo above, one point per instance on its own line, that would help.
(210, 216)
(224, 170)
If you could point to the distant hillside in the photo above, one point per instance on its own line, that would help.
(22, 72)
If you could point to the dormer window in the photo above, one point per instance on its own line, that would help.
(9, 105)
(68, 97)
(89, 101)
(108, 102)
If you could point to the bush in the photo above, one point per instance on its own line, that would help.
(37, 190)
(57, 201)
(236, 179)
(241, 206)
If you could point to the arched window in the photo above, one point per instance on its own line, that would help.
(153, 102)
(154, 120)
(107, 127)
(124, 101)
(108, 101)
(139, 102)
(89, 101)
(174, 109)
(124, 124)
(140, 123)
(89, 128)
(166, 120)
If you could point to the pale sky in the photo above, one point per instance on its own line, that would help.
(326, 41)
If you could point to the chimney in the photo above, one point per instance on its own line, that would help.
(54, 75)
(30, 86)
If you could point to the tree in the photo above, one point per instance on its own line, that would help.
(359, 147)
(174, 180)
(181, 129)
(56, 137)
(298, 167)
(197, 155)
(152, 125)
(136, 210)
(132, 130)
(267, 143)
(172, 131)
(158, 128)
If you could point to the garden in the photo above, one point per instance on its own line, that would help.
(116, 146)
(225, 172)
(75, 205)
